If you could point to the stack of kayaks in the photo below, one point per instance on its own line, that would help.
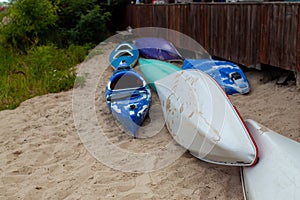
(202, 119)
(128, 97)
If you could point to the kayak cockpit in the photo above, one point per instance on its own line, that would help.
(126, 80)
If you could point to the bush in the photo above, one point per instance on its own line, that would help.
(39, 45)
(82, 22)
(90, 28)
(62, 22)
(44, 69)
(30, 23)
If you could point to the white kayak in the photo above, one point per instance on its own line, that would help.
(277, 173)
(202, 119)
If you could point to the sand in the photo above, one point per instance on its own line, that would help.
(46, 151)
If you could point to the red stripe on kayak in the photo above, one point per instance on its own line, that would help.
(241, 119)
(251, 137)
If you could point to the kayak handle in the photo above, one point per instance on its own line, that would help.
(123, 53)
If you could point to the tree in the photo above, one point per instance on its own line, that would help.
(62, 22)
(82, 21)
(91, 28)
(30, 23)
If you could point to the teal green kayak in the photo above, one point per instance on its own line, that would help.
(153, 70)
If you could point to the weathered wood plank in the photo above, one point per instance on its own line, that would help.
(298, 46)
(263, 33)
(273, 35)
(248, 45)
(281, 33)
(235, 35)
(206, 19)
(287, 31)
(293, 38)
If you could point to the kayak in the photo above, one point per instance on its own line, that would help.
(201, 118)
(124, 52)
(231, 78)
(157, 48)
(128, 97)
(153, 70)
(277, 174)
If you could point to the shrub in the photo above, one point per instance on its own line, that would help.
(62, 22)
(44, 69)
(39, 46)
(82, 22)
(30, 23)
(90, 28)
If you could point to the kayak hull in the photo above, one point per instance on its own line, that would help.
(153, 70)
(128, 97)
(228, 75)
(157, 48)
(201, 118)
(277, 174)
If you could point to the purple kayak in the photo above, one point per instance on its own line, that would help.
(157, 48)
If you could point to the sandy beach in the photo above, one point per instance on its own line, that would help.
(44, 155)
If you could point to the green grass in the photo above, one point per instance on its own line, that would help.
(44, 69)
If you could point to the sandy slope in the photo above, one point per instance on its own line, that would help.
(42, 156)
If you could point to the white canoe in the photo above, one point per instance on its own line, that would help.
(202, 119)
(277, 173)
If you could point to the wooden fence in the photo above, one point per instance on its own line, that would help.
(245, 33)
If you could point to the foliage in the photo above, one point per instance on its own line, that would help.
(39, 45)
(89, 27)
(31, 21)
(117, 10)
(81, 22)
(119, 2)
(80, 80)
(44, 69)
(62, 22)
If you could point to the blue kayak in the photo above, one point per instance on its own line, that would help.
(124, 52)
(128, 97)
(231, 78)
(157, 48)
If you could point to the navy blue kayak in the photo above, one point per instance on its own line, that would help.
(128, 97)
(157, 48)
(228, 75)
(124, 52)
